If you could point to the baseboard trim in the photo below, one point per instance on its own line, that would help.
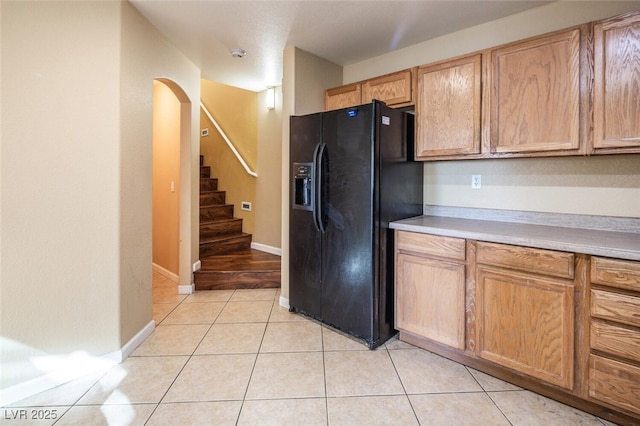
(284, 302)
(134, 342)
(268, 249)
(166, 273)
(76, 365)
(186, 289)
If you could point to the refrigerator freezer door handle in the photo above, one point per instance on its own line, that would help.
(318, 157)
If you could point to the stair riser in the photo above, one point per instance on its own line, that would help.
(208, 184)
(211, 213)
(215, 229)
(242, 242)
(205, 171)
(209, 198)
(236, 280)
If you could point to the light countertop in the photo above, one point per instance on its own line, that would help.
(620, 245)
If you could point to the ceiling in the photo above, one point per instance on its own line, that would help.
(343, 32)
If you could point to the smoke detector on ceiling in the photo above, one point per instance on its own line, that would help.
(238, 53)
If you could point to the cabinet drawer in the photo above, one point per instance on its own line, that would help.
(616, 273)
(538, 261)
(434, 245)
(615, 307)
(615, 383)
(615, 340)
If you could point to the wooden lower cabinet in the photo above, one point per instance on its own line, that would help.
(526, 323)
(430, 300)
(430, 290)
(525, 310)
(564, 325)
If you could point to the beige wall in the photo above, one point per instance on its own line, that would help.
(235, 110)
(76, 173)
(269, 185)
(147, 56)
(256, 133)
(166, 179)
(60, 184)
(305, 78)
(596, 185)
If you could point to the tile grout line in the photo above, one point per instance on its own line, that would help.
(189, 357)
(324, 375)
(406, 394)
(75, 404)
(487, 393)
(255, 361)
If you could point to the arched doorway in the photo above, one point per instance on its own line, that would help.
(172, 183)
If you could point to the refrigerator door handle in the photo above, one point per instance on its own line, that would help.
(318, 211)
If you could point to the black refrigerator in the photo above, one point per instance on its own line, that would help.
(352, 172)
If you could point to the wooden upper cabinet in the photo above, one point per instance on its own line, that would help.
(393, 89)
(448, 107)
(616, 102)
(535, 95)
(343, 97)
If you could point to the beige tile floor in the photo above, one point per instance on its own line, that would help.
(238, 358)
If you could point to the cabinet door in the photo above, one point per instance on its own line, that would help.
(430, 299)
(616, 103)
(343, 97)
(526, 322)
(392, 89)
(448, 103)
(535, 95)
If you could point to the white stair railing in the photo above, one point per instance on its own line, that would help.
(226, 139)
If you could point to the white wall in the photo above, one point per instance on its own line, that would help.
(597, 185)
(77, 80)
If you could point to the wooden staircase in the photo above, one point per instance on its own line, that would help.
(228, 261)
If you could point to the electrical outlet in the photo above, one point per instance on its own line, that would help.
(204, 132)
(246, 206)
(476, 181)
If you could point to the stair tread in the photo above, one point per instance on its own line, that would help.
(220, 220)
(223, 237)
(245, 260)
(217, 205)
